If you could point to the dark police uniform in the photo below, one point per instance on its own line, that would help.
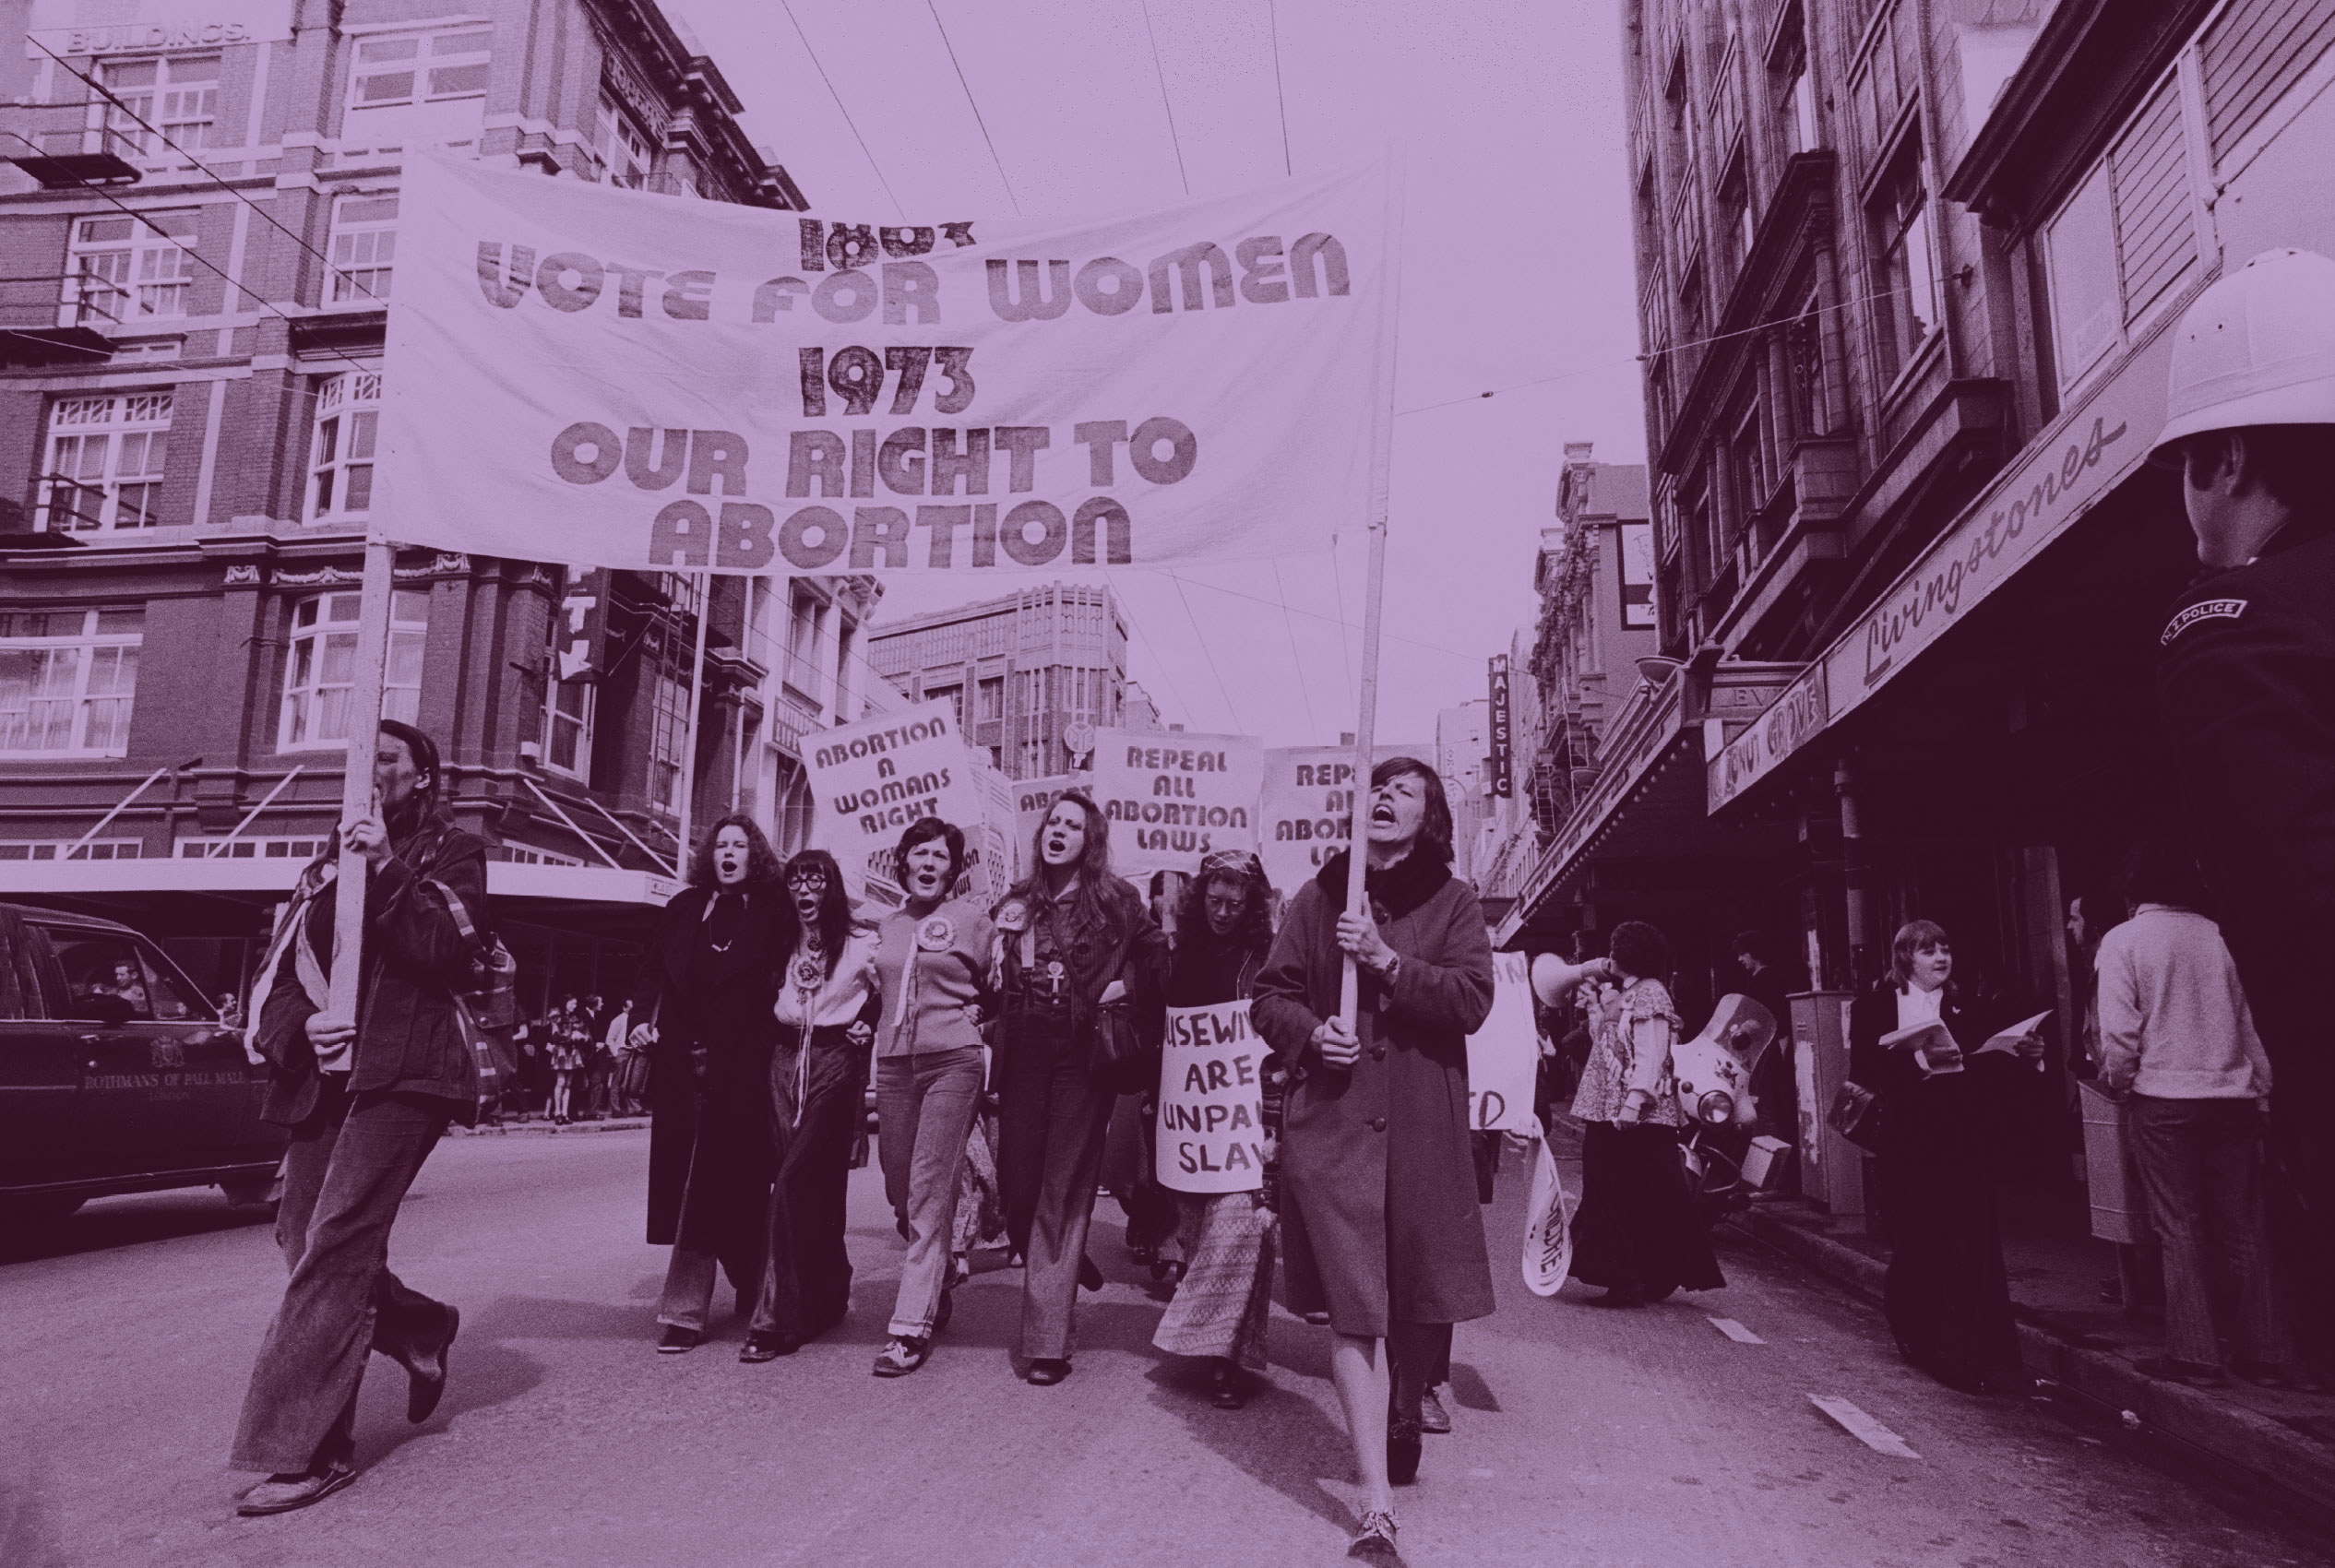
(2246, 689)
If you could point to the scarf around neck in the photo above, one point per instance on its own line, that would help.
(1398, 889)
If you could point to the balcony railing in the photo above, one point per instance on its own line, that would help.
(55, 318)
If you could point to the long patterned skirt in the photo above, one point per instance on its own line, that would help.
(1220, 1308)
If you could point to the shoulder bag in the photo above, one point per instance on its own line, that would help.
(1116, 1055)
(1855, 1114)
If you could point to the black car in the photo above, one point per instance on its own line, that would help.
(116, 1075)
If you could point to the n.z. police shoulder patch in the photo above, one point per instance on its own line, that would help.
(2203, 609)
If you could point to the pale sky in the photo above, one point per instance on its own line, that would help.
(1516, 267)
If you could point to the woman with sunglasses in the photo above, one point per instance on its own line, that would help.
(829, 1002)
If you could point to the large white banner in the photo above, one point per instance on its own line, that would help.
(1211, 1101)
(1308, 808)
(580, 373)
(869, 780)
(1171, 799)
(1504, 1057)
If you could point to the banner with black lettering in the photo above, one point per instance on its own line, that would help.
(1308, 807)
(871, 779)
(1171, 799)
(1211, 1100)
(576, 371)
(1504, 1056)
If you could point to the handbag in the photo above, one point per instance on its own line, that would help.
(1855, 1114)
(1117, 1057)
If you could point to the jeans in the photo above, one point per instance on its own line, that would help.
(346, 1172)
(1052, 1118)
(923, 1110)
(815, 1095)
(2202, 1162)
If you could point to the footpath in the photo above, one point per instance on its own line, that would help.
(2085, 1344)
(546, 1127)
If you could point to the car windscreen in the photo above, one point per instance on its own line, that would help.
(114, 978)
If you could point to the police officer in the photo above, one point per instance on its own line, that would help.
(2247, 687)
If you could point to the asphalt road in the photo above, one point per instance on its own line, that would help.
(1581, 1437)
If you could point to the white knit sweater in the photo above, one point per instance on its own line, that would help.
(2173, 1023)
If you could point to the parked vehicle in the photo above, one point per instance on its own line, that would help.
(116, 1074)
(1715, 1106)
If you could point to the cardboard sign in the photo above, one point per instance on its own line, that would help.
(869, 780)
(1211, 1099)
(1504, 1057)
(1033, 799)
(1171, 798)
(994, 872)
(1548, 1226)
(1308, 808)
(663, 384)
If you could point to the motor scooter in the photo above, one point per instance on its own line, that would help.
(1716, 1110)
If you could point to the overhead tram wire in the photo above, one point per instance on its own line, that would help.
(974, 106)
(877, 168)
(1311, 615)
(1210, 653)
(1160, 71)
(1313, 725)
(1165, 673)
(1273, 19)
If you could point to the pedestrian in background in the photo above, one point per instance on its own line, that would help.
(703, 1017)
(933, 959)
(829, 1003)
(1636, 1232)
(1946, 1294)
(1071, 937)
(1379, 1183)
(2177, 1040)
(366, 1098)
(1225, 1241)
(569, 1042)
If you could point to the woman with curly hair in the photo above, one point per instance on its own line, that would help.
(703, 1015)
(830, 997)
(1071, 937)
(1222, 1249)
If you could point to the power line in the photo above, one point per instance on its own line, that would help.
(1273, 19)
(896, 209)
(1313, 725)
(1336, 620)
(1165, 673)
(985, 137)
(1210, 653)
(1160, 71)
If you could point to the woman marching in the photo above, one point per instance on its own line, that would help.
(1635, 1233)
(1946, 1296)
(1071, 937)
(1225, 1241)
(829, 1000)
(704, 1018)
(1378, 1178)
(933, 956)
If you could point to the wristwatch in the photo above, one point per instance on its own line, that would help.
(1394, 968)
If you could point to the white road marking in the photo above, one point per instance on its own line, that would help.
(1861, 1427)
(1735, 1331)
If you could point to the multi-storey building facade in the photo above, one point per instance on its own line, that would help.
(1021, 669)
(199, 233)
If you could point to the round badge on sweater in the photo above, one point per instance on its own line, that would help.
(936, 934)
(1013, 917)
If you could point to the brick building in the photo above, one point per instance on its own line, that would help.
(199, 236)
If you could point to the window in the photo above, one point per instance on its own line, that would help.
(419, 68)
(348, 420)
(623, 146)
(66, 681)
(1796, 92)
(1747, 466)
(1905, 308)
(568, 725)
(1690, 307)
(667, 741)
(364, 241)
(322, 667)
(106, 455)
(132, 268)
(2080, 262)
(954, 696)
(225, 848)
(179, 98)
(1737, 220)
(2120, 248)
(50, 848)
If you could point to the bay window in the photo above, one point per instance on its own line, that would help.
(67, 678)
(1906, 306)
(320, 670)
(364, 244)
(105, 459)
(347, 422)
(131, 267)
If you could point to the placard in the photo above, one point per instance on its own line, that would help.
(1171, 799)
(1211, 1136)
(1504, 1056)
(1306, 814)
(869, 780)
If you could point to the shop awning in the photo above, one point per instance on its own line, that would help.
(2095, 444)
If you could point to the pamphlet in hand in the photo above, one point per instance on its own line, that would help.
(2008, 1041)
(1932, 1045)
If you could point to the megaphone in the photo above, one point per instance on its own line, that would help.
(1552, 977)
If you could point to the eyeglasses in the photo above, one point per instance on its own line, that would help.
(808, 881)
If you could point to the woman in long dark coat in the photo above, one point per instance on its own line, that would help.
(1946, 1296)
(704, 1015)
(1378, 1190)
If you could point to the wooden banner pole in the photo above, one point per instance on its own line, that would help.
(356, 786)
(696, 713)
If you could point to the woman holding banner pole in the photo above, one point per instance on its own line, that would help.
(1071, 937)
(1223, 1241)
(933, 956)
(1378, 1206)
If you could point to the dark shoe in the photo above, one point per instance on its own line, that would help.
(1228, 1389)
(1433, 1419)
(1403, 1450)
(283, 1493)
(2200, 1375)
(1376, 1538)
(1618, 1299)
(1090, 1277)
(1047, 1371)
(903, 1355)
(768, 1346)
(676, 1340)
(425, 1379)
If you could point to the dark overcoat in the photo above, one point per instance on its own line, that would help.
(1379, 1211)
(711, 1143)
